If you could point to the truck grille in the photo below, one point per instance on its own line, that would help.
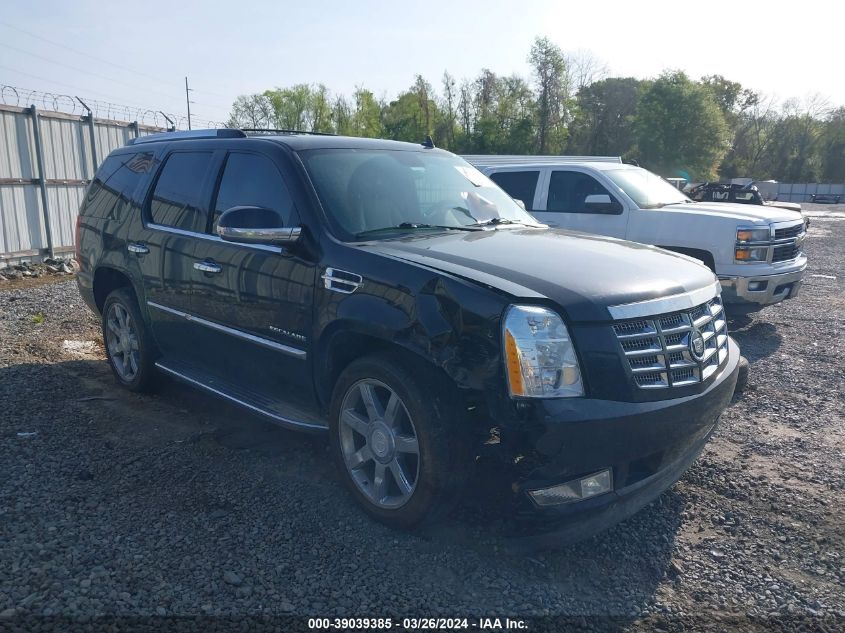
(789, 232)
(658, 351)
(785, 252)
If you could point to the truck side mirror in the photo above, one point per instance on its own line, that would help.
(600, 203)
(255, 225)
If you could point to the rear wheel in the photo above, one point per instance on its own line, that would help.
(129, 347)
(398, 441)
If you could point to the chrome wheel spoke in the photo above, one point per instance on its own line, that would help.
(371, 403)
(407, 444)
(359, 457)
(355, 422)
(133, 363)
(400, 478)
(379, 483)
(114, 326)
(133, 342)
(391, 411)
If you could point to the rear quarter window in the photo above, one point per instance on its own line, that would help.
(520, 185)
(117, 185)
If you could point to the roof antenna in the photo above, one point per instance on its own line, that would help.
(428, 143)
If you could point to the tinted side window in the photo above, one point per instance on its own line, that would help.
(177, 198)
(568, 191)
(253, 179)
(115, 184)
(520, 185)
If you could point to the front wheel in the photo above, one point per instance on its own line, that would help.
(398, 441)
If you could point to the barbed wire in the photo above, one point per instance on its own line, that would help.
(70, 104)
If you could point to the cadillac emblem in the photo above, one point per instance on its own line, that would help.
(696, 345)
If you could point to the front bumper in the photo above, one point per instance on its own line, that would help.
(647, 445)
(775, 288)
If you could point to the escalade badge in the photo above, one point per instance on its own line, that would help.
(696, 345)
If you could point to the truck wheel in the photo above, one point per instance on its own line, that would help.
(397, 439)
(129, 347)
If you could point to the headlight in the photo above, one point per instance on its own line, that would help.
(539, 354)
(745, 254)
(744, 236)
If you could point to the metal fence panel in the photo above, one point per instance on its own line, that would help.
(68, 162)
(21, 228)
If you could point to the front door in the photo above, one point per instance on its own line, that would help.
(565, 205)
(254, 301)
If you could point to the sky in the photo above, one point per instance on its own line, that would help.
(140, 53)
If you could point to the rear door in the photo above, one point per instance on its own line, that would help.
(255, 301)
(175, 214)
(564, 205)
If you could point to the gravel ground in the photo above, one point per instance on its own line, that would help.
(176, 504)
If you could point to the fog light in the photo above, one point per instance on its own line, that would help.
(575, 490)
(756, 286)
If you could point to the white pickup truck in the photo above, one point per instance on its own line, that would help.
(755, 251)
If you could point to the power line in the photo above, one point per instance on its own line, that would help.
(81, 70)
(110, 63)
(84, 54)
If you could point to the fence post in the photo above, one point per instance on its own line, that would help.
(92, 136)
(134, 126)
(42, 178)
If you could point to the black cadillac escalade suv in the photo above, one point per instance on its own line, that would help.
(392, 296)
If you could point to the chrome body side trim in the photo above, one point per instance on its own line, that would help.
(280, 419)
(211, 238)
(252, 338)
(662, 305)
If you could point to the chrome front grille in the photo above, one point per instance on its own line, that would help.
(658, 350)
(786, 252)
(789, 232)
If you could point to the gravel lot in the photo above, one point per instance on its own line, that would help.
(177, 504)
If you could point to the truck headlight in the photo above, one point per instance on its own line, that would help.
(744, 236)
(540, 358)
(745, 254)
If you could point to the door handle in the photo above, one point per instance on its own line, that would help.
(208, 267)
(138, 249)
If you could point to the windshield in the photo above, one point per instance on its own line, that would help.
(648, 190)
(367, 193)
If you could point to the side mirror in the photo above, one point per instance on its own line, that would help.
(255, 225)
(600, 203)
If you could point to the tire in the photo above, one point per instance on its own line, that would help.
(742, 376)
(427, 412)
(129, 347)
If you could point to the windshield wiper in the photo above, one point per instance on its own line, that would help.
(409, 226)
(497, 221)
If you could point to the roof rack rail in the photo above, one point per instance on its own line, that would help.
(258, 130)
(491, 160)
(188, 135)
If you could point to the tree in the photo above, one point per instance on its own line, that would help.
(553, 92)
(833, 147)
(680, 128)
(585, 69)
(604, 117)
(251, 111)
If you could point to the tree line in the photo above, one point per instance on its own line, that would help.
(701, 129)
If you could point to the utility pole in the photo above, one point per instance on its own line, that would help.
(188, 100)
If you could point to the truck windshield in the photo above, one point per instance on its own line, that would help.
(375, 193)
(647, 190)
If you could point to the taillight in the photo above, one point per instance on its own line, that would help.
(78, 244)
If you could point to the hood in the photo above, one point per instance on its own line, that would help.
(753, 213)
(583, 274)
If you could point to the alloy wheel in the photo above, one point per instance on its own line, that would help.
(379, 444)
